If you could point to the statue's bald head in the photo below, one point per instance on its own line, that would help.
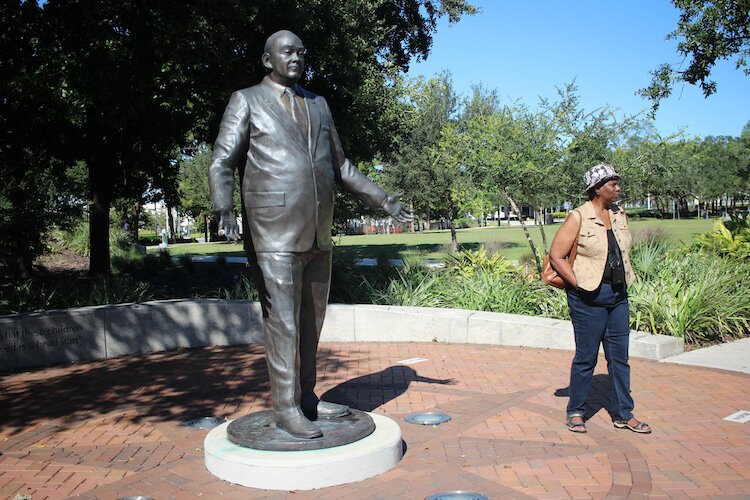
(271, 40)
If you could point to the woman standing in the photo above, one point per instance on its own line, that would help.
(597, 296)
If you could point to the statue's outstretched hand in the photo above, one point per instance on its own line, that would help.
(228, 224)
(396, 210)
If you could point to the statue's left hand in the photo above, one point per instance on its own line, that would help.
(228, 224)
(396, 210)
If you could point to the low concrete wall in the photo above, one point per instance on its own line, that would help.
(90, 333)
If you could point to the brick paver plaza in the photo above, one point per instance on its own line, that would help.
(111, 428)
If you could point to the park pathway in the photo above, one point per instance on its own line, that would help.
(112, 428)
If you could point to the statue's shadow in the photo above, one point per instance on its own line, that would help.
(368, 392)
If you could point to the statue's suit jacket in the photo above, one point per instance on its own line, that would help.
(287, 177)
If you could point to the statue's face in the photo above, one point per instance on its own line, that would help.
(286, 59)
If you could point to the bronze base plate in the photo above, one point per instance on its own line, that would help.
(258, 431)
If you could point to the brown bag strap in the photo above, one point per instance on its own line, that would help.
(574, 250)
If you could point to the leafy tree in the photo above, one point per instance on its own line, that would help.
(195, 197)
(510, 152)
(141, 78)
(418, 166)
(709, 31)
(37, 191)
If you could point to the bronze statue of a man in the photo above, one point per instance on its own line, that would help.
(281, 139)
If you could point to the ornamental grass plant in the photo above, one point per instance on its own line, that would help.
(703, 297)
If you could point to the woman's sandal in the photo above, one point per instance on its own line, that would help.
(579, 427)
(639, 427)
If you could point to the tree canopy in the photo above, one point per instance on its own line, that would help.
(131, 80)
(708, 31)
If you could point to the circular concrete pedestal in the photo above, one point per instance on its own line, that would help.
(304, 470)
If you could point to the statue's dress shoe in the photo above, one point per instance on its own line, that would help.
(323, 409)
(296, 424)
(332, 410)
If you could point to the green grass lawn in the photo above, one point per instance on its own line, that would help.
(435, 244)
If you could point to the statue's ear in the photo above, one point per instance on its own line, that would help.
(266, 59)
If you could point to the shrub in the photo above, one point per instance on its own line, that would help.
(646, 257)
(114, 290)
(469, 262)
(242, 289)
(487, 291)
(41, 295)
(700, 297)
(77, 239)
(734, 242)
(410, 287)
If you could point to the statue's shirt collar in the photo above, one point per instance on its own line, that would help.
(279, 89)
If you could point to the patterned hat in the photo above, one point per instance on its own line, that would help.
(598, 174)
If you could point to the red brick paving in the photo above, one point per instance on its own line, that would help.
(111, 428)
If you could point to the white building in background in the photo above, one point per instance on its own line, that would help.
(185, 225)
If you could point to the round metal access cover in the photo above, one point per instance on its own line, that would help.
(428, 418)
(457, 495)
(203, 422)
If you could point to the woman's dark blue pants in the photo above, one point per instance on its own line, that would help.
(600, 317)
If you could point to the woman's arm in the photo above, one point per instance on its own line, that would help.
(561, 247)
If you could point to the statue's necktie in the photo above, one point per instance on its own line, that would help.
(298, 115)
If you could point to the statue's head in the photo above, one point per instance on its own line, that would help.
(284, 57)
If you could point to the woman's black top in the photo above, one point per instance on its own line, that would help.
(614, 269)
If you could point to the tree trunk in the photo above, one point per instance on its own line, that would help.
(454, 237)
(428, 217)
(171, 228)
(99, 225)
(411, 223)
(526, 232)
(541, 230)
(23, 255)
(136, 220)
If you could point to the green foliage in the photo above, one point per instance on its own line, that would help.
(41, 295)
(701, 298)
(708, 31)
(646, 257)
(116, 290)
(413, 285)
(723, 241)
(418, 167)
(467, 263)
(77, 239)
(486, 291)
(116, 86)
(194, 192)
(242, 289)
(471, 280)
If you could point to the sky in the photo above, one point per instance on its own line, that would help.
(525, 49)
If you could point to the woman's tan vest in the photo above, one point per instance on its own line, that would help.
(592, 246)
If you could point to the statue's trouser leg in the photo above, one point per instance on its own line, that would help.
(316, 285)
(282, 274)
(296, 286)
